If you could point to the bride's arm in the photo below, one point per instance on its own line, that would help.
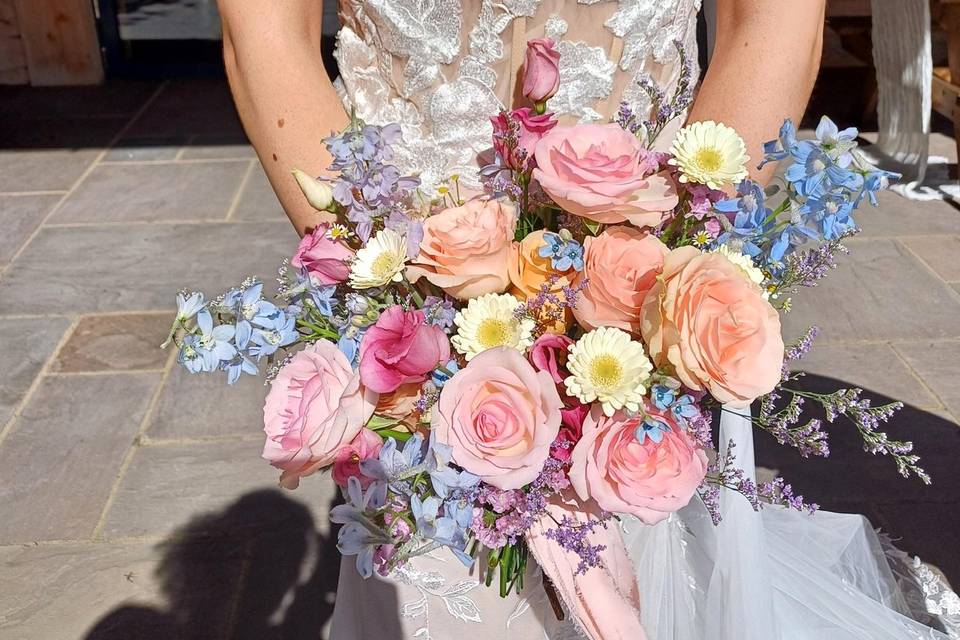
(763, 68)
(287, 103)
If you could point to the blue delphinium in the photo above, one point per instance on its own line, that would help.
(752, 219)
(273, 333)
(564, 252)
(214, 343)
(360, 535)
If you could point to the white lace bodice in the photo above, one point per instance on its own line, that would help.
(441, 68)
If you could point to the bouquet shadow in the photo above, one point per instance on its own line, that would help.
(257, 569)
(921, 520)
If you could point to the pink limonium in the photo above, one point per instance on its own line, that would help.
(325, 259)
(401, 348)
(316, 405)
(346, 463)
(515, 147)
(541, 72)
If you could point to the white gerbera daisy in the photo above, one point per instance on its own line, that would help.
(380, 262)
(709, 153)
(491, 321)
(607, 365)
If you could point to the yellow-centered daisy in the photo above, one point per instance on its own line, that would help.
(380, 261)
(491, 321)
(745, 264)
(606, 365)
(709, 153)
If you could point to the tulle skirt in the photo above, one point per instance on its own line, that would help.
(776, 574)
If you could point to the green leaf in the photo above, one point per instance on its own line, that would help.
(592, 226)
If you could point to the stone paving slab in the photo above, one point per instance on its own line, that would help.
(875, 367)
(205, 406)
(43, 170)
(938, 363)
(19, 217)
(879, 292)
(115, 343)
(146, 148)
(154, 193)
(138, 267)
(27, 344)
(180, 480)
(940, 253)
(897, 217)
(59, 461)
(257, 200)
(218, 147)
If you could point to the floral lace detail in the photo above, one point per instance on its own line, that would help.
(432, 586)
(413, 62)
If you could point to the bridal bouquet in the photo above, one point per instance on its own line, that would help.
(526, 366)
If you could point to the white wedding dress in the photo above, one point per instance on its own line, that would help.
(441, 68)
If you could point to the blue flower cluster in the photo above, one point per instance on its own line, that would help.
(440, 519)
(826, 180)
(368, 186)
(564, 252)
(257, 328)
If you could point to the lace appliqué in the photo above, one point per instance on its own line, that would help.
(432, 587)
(586, 75)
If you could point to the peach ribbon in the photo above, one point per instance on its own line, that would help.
(604, 601)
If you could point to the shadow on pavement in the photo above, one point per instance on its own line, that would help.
(922, 520)
(258, 569)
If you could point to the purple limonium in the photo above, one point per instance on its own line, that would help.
(573, 536)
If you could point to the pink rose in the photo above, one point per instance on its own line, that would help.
(324, 259)
(541, 70)
(707, 320)
(571, 430)
(346, 463)
(530, 128)
(598, 171)
(401, 348)
(316, 405)
(465, 250)
(500, 416)
(549, 353)
(649, 480)
(620, 265)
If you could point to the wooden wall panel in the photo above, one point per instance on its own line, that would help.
(60, 41)
(13, 61)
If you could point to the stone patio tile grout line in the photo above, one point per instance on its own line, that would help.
(930, 270)
(235, 202)
(88, 171)
(132, 312)
(919, 378)
(120, 223)
(146, 442)
(24, 194)
(132, 450)
(8, 427)
(183, 149)
(35, 544)
(153, 163)
(104, 372)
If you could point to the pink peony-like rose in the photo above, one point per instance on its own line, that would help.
(649, 480)
(500, 416)
(401, 348)
(541, 70)
(530, 128)
(705, 318)
(324, 259)
(465, 249)
(620, 266)
(346, 463)
(549, 353)
(316, 405)
(598, 171)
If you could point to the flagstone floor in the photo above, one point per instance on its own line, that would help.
(133, 502)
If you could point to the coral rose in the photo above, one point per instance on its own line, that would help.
(346, 464)
(500, 416)
(649, 480)
(316, 405)
(710, 322)
(465, 249)
(620, 265)
(325, 260)
(401, 348)
(400, 402)
(599, 171)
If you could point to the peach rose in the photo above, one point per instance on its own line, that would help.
(528, 271)
(620, 265)
(465, 249)
(710, 322)
(597, 171)
(315, 406)
(399, 404)
(500, 416)
(649, 480)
